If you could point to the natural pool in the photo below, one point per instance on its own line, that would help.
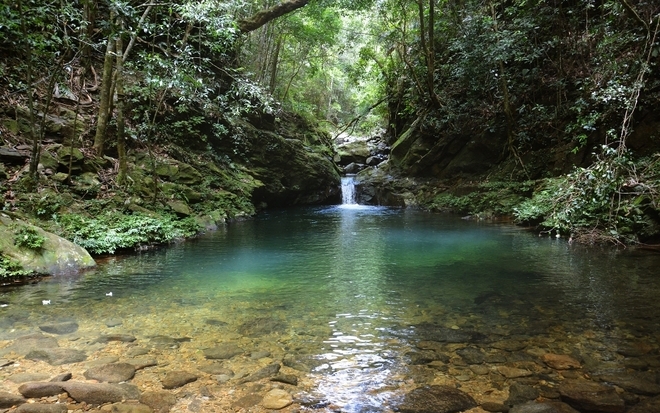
(360, 305)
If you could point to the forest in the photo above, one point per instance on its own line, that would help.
(130, 123)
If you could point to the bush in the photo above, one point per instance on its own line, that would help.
(114, 231)
(28, 237)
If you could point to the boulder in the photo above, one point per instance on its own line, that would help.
(56, 255)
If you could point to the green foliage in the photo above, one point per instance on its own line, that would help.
(28, 237)
(608, 200)
(10, 268)
(112, 231)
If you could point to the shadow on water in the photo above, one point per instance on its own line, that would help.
(365, 302)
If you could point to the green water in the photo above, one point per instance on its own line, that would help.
(349, 291)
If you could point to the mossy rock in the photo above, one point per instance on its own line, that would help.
(49, 161)
(167, 171)
(179, 207)
(188, 175)
(55, 256)
(65, 154)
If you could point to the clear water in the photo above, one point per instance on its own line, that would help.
(348, 291)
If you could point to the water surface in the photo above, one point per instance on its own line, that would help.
(348, 292)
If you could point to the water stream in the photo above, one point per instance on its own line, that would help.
(343, 296)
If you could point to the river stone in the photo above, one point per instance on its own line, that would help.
(591, 396)
(111, 373)
(509, 345)
(433, 332)
(8, 400)
(436, 399)
(471, 355)
(425, 357)
(131, 408)
(247, 401)
(124, 338)
(291, 361)
(269, 370)
(222, 352)
(35, 390)
(62, 377)
(277, 399)
(286, 378)
(60, 328)
(94, 393)
(560, 361)
(177, 378)
(101, 361)
(534, 407)
(216, 368)
(261, 326)
(166, 342)
(137, 351)
(143, 363)
(521, 393)
(159, 401)
(634, 383)
(647, 406)
(513, 372)
(259, 355)
(19, 378)
(41, 408)
(57, 356)
(25, 344)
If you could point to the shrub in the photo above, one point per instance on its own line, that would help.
(112, 231)
(28, 237)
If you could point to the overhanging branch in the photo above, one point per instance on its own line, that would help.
(264, 16)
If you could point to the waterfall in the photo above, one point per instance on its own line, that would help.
(348, 191)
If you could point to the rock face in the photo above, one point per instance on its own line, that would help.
(436, 399)
(56, 256)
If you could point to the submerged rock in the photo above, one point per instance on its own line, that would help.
(95, 393)
(175, 379)
(66, 327)
(560, 361)
(57, 356)
(159, 401)
(111, 373)
(549, 407)
(222, 352)
(436, 399)
(42, 408)
(267, 371)
(36, 390)
(8, 400)
(591, 396)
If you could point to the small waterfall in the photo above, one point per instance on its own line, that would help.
(348, 191)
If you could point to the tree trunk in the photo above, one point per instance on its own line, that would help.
(274, 63)
(264, 16)
(119, 104)
(34, 161)
(105, 99)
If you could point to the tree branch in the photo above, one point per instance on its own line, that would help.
(264, 16)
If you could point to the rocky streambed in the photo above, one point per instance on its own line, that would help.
(198, 363)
